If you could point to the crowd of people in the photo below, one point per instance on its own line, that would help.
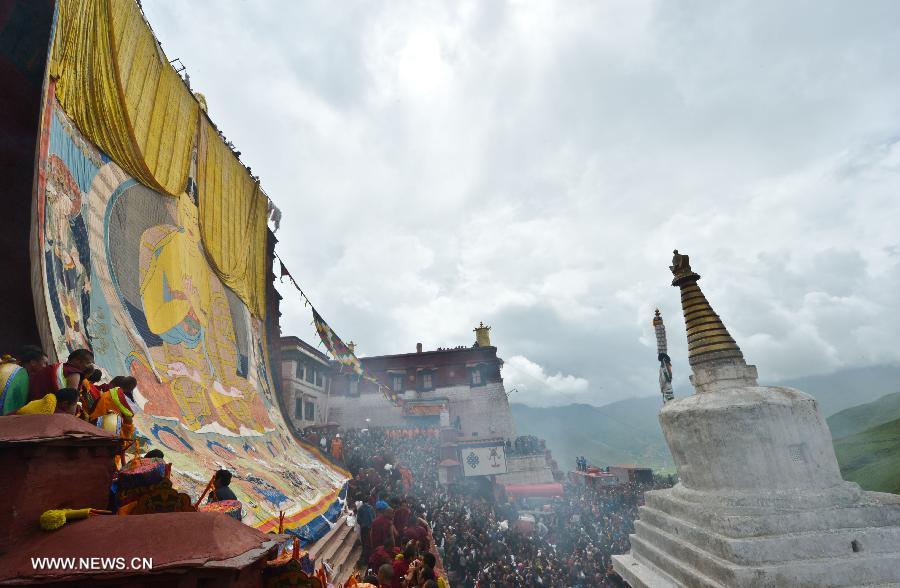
(414, 530)
(72, 387)
(476, 539)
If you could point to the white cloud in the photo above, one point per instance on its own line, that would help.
(528, 383)
(439, 164)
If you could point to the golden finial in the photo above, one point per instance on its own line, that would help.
(708, 339)
(482, 335)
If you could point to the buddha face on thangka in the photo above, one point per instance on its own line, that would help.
(186, 306)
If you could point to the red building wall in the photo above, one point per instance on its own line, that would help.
(450, 367)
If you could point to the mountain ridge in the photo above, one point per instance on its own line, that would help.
(628, 431)
(857, 419)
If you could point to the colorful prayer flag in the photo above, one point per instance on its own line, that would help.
(337, 348)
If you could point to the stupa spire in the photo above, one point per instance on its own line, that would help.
(708, 340)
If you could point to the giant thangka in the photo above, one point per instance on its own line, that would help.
(760, 502)
(149, 249)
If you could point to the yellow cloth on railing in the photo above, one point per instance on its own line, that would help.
(233, 213)
(115, 82)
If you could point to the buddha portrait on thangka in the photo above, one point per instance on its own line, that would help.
(186, 307)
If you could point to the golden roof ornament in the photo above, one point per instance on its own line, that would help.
(708, 339)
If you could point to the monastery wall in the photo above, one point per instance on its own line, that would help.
(482, 410)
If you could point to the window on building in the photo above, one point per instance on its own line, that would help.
(476, 377)
(301, 371)
(309, 375)
(318, 378)
(397, 383)
(298, 408)
(310, 411)
(327, 384)
(427, 381)
(354, 387)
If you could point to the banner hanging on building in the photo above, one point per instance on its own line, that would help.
(483, 460)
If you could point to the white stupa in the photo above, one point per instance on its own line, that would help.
(760, 502)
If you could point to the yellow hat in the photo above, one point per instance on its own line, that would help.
(46, 405)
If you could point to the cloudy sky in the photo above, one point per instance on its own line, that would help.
(532, 165)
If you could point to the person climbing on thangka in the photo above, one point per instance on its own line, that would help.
(52, 377)
(112, 411)
(34, 385)
(15, 375)
(14, 383)
(90, 392)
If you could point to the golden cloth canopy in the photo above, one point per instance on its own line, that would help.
(115, 82)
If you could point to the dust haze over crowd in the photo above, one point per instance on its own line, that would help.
(533, 165)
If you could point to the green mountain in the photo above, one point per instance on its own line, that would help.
(847, 388)
(872, 458)
(619, 433)
(628, 431)
(865, 416)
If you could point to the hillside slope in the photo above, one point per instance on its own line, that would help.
(622, 432)
(865, 416)
(872, 458)
(628, 431)
(846, 388)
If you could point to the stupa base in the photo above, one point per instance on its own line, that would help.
(686, 543)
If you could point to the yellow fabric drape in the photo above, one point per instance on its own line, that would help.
(233, 213)
(116, 84)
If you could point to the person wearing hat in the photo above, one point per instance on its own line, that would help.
(337, 447)
(383, 525)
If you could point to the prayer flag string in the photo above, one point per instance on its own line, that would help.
(339, 351)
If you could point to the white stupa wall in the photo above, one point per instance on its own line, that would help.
(750, 440)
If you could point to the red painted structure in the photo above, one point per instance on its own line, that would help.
(58, 461)
(50, 461)
(447, 367)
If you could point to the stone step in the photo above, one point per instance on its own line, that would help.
(639, 575)
(317, 547)
(830, 572)
(879, 570)
(733, 523)
(349, 566)
(335, 544)
(695, 560)
(340, 559)
(663, 563)
(776, 548)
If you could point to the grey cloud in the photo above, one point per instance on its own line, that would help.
(444, 163)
